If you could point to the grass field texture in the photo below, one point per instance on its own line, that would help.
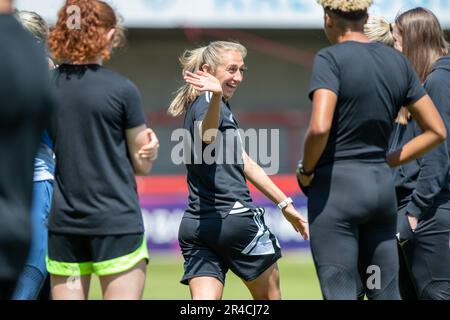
(297, 275)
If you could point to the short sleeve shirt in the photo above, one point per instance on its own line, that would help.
(372, 81)
(216, 179)
(95, 189)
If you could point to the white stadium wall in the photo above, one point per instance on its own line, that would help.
(234, 13)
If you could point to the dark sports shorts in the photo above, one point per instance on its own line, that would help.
(241, 242)
(74, 255)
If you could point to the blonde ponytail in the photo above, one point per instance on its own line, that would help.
(192, 61)
(34, 23)
(379, 29)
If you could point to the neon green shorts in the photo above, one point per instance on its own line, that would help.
(72, 255)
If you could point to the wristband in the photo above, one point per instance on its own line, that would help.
(283, 204)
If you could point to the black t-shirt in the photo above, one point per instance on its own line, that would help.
(216, 180)
(95, 188)
(372, 81)
(26, 104)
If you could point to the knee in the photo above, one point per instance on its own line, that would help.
(270, 294)
(205, 288)
(39, 266)
(436, 290)
(205, 296)
(389, 291)
(337, 283)
(267, 285)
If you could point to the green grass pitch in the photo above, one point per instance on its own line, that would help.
(297, 276)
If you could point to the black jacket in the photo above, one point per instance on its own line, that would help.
(425, 182)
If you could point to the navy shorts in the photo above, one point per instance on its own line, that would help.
(240, 242)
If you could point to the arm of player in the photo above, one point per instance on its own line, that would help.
(433, 133)
(324, 105)
(204, 81)
(256, 175)
(143, 146)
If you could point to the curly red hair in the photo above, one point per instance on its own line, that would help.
(89, 42)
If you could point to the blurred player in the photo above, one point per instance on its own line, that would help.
(221, 228)
(26, 105)
(101, 141)
(35, 273)
(357, 89)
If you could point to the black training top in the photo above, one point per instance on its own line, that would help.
(216, 180)
(95, 188)
(425, 182)
(26, 104)
(372, 82)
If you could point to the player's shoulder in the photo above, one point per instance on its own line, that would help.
(119, 82)
(202, 101)
(115, 77)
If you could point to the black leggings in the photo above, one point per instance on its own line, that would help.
(427, 254)
(352, 216)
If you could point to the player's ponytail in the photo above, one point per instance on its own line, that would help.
(379, 29)
(193, 60)
(35, 24)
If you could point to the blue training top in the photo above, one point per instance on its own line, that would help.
(44, 162)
